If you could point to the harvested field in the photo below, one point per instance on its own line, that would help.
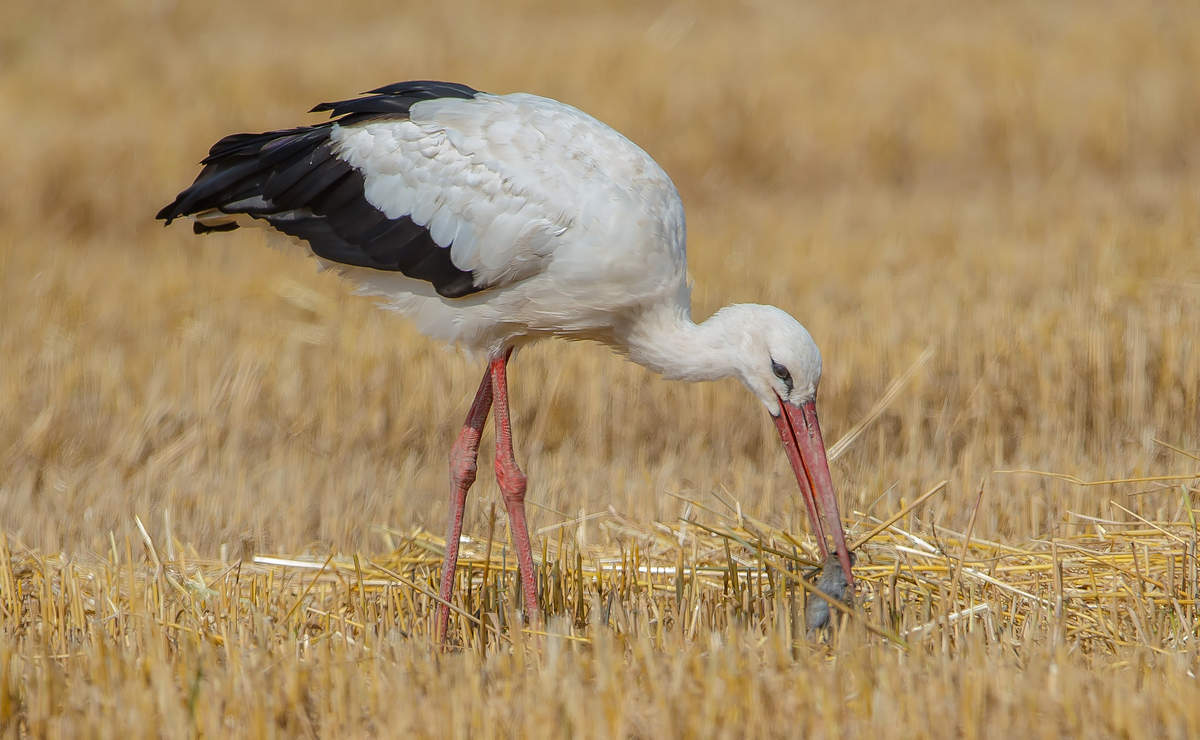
(220, 473)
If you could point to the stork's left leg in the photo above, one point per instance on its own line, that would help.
(462, 475)
(512, 482)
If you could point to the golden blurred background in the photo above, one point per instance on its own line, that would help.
(1014, 187)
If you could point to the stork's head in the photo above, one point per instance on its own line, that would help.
(780, 363)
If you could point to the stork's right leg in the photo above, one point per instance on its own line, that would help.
(463, 466)
(512, 484)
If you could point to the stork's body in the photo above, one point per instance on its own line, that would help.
(491, 221)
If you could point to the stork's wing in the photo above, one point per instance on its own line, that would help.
(400, 181)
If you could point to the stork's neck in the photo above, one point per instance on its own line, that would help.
(667, 341)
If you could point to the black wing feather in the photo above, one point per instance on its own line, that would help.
(291, 179)
(288, 175)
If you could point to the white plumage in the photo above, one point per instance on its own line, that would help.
(566, 220)
(494, 220)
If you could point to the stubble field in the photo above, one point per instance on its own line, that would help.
(223, 478)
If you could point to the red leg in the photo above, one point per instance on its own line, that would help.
(462, 474)
(512, 483)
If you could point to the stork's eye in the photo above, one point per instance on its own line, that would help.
(782, 373)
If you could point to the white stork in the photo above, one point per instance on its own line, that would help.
(492, 221)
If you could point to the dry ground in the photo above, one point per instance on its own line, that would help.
(1012, 190)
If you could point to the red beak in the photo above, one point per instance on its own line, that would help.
(801, 435)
